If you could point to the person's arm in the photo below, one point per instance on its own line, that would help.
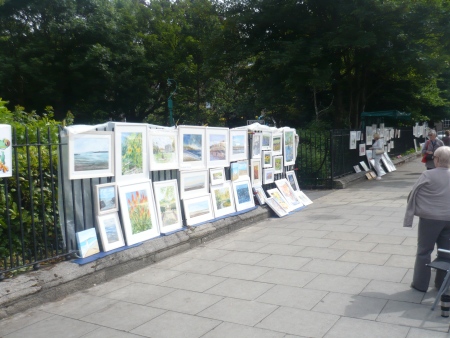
(425, 147)
(411, 205)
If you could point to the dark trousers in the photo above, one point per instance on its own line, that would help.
(431, 232)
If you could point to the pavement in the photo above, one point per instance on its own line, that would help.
(341, 267)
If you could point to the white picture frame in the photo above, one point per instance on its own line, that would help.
(106, 199)
(268, 175)
(238, 144)
(276, 208)
(362, 149)
(168, 205)
(91, 155)
(292, 179)
(288, 193)
(277, 144)
(217, 147)
(110, 231)
(243, 195)
(266, 140)
(277, 196)
(278, 164)
(256, 145)
(357, 168)
(194, 183)
(131, 152)
(6, 168)
(163, 149)
(364, 165)
(260, 194)
(192, 143)
(234, 171)
(303, 198)
(352, 139)
(256, 172)
(216, 176)
(243, 169)
(139, 216)
(267, 158)
(289, 146)
(223, 199)
(198, 209)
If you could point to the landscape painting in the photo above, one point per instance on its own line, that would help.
(87, 242)
(198, 209)
(91, 155)
(256, 145)
(266, 140)
(276, 144)
(278, 164)
(288, 192)
(239, 145)
(289, 156)
(243, 195)
(163, 149)
(234, 171)
(168, 205)
(222, 199)
(132, 160)
(192, 143)
(256, 172)
(193, 183)
(217, 145)
(110, 231)
(106, 199)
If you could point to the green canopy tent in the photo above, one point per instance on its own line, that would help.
(390, 117)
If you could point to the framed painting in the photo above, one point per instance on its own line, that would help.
(131, 152)
(234, 171)
(87, 242)
(6, 150)
(243, 169)
(364, 165)
(217, 144)
(268, 176)
(256, 145)
(288, 193)
(192, 147)
(266, 140)
(277, 196)
(260, 195)
(362, 149)
(277, 143)
(193, 183)
(256, 172)
(276, 208)
(139, 217)
(198, 209)
(277, 164)
(243, 195)
(222, 199)
(110, 231)
(105, 198)
(90, 155)
(369, 135)
(267, 159)
(163, 149)
(352, 139)
(216, 176)
(357, 168)
(303, 198)
(289, 146)
(238, 145)
(292, 179)
(168, 205)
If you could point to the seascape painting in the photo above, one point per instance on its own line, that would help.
(238, 144)
(217, 147)
(266, 140)
(243, 168)
(139, 211)
(242, 193)
(131, 152)
(110, 231)
(234, 171)
(289, 147)
(194, 183)
(198, 209)
(91, 153)
(107, 198)
(87, 242)
(192, 147)
(112, 235)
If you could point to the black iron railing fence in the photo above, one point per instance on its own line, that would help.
(41, 210)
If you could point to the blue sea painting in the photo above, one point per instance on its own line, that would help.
(194, 183)
(242, 193)
(197, 209)
(192, 147)
(91, 153)
(107, 198)
(111, 230)
(238, 144)
(87, 242)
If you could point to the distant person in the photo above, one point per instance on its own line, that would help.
(430, 147)
(446, 138)
(429, 200)
(377, 145)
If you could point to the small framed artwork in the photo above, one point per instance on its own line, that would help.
(238, 144)
(193, 183)
(260, 195)
(288, 193)
(364, 165)
(192, 147)
(276, 208)
(256, 172)
(243, 168)
(289, 146)
(139, 217)
(91, 155)
(268, 175)
(277, 139)
(87, 242)
(303, 198)
(358, 135)
(267, 159)
(362, 149)
(357, 168)
(110, 231)
(163, 149)
(277, 196)
(266, 140)
(105, 198)
(217, 144)
(292, 179)
(222, 199)
(168, 205)
(352, 139)
(6, 151)
(278, 164)
(369, 135)
(216, 176)
(243, 195)
(131, 152)
(256, 145)
(198, 209)
(234, 171)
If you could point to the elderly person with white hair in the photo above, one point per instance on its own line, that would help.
(430, 147)
(429, 200)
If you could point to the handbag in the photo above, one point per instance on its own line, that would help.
(428, 157)
(379, 151)
(424, 159)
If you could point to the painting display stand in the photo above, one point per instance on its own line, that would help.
(225, 216)
(101, 254)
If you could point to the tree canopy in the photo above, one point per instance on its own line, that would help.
(291, 61)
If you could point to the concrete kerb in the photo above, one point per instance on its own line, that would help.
(57, 281)
(346, 181)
